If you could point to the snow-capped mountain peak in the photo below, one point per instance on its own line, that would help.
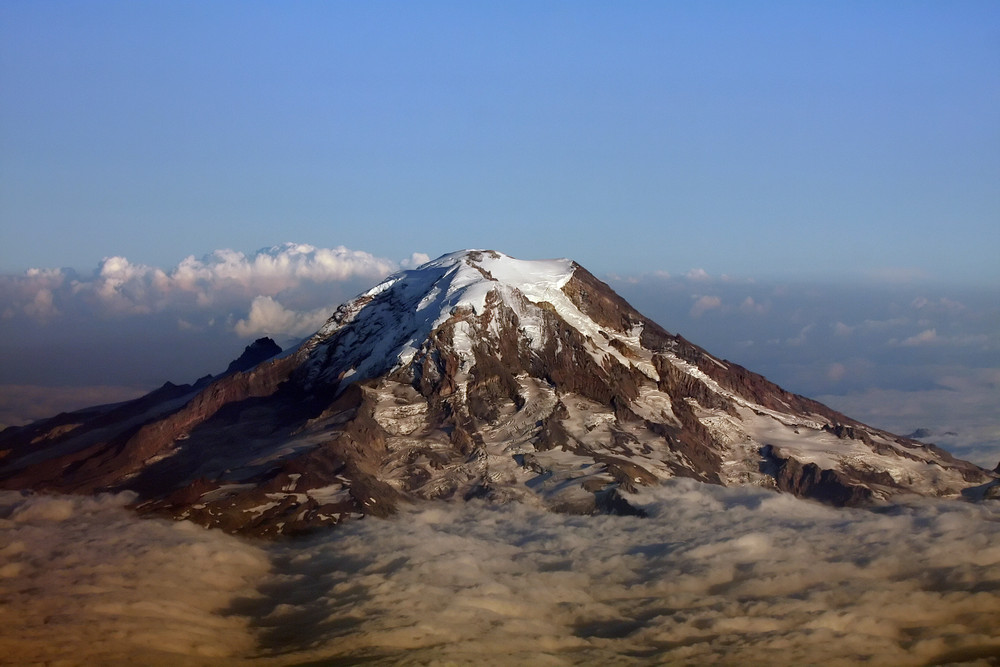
(399, 313)
(474, 375)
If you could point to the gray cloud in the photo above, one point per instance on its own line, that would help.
(714, 575)
(925, 337)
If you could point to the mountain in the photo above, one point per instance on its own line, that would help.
(475, 375)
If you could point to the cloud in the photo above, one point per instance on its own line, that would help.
(222, 284)
(751, 307)
(841, 329)
(697, 274)
(415, 260)
(268, 317)
(942, 305)
(85, 582)
(925, 337)
(959, 414)
(703, 304)
(714, 575)
(32, 294)
(800, 338)
(127, 323)
(883, 325)
(836, 371)
(225, 274)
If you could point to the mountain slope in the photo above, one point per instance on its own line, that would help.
(475, 375)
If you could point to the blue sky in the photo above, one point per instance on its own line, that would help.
(839, 140)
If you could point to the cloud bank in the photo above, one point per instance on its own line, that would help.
(84, 582)
(714, 575)
(225, 278)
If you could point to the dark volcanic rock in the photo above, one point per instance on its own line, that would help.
(810, 481)
(256, 352)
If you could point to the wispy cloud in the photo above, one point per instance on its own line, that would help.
(752, 307)
(703, 304)
(925, 337)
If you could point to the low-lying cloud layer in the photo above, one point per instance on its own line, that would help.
(714, 575)
(84, 582)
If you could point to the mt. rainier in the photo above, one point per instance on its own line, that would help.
(474, 375)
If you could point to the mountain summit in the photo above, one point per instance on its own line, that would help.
(476, 375)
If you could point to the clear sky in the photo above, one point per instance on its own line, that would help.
(825, 139)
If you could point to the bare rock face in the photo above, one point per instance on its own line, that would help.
(475, 376)
(256, 352)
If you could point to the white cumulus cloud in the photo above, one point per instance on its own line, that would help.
(268, 317)
(415, 260)
(225, 283)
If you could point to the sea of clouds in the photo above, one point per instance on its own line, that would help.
(714, 575)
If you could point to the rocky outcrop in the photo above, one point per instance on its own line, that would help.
(255, 353)
(808, 480)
